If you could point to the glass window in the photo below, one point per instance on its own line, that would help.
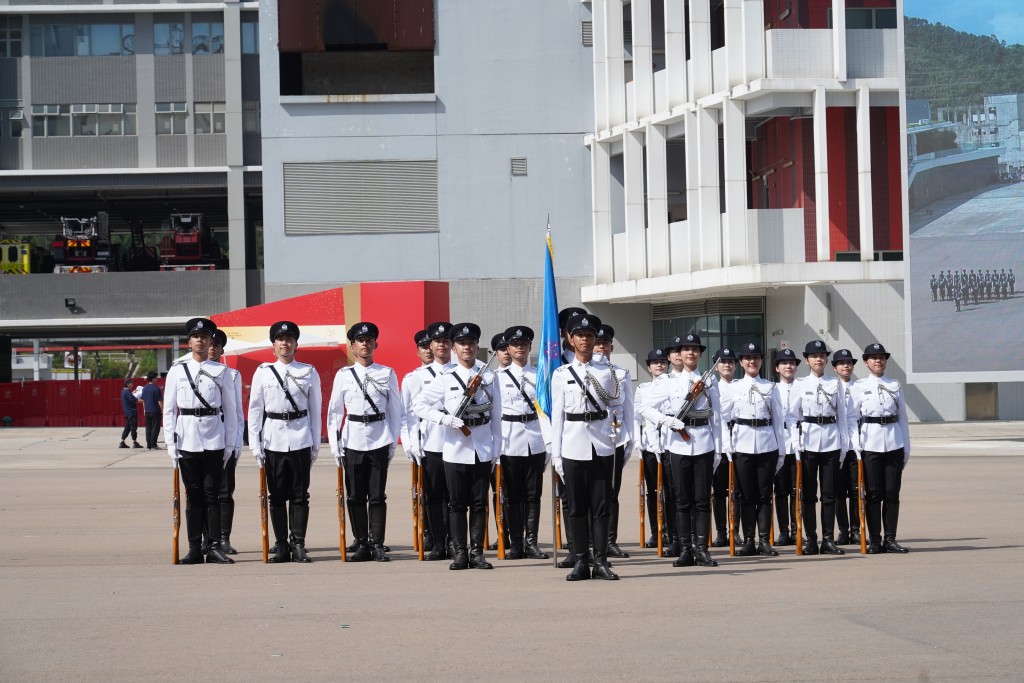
(10, 36)
(54, 40)
(168, 39)
(83, 40)
(250, 37)
(209, 118)
(251, 116)
(171, 118)
(885, 18)
(84, 124)
(15, 116)
(129, 119)
(207, 38)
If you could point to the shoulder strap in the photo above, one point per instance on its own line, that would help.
(463, 385)
(287, 393)
(363, 389)
(584, 387)
(431, 371)
(520, 388)
(195, 389)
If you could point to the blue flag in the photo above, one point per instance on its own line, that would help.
(549, 355)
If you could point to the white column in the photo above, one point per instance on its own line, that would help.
(633, 172)
(643, 59)
(839, 39)
(600, 66)
(236, 237)
(865, 201)
(753, 39)
(234, 157)
(707, 180)
(821, 218)
(734, 232)
(616, 67)
(658, 257)
(700, 48)
(675, 53)
(734, 55)
(693, 207)
(600, 161)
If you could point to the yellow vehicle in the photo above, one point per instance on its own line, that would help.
(16, 258)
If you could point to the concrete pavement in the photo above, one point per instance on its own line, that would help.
(89, 593)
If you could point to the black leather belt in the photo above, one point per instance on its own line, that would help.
(595, 416)
(293, 415)
(881, 420)
(366, 419)
(519, 418)
(820, 419)
(198, 412)
(476, 421)
(752, 423)
(697, 422)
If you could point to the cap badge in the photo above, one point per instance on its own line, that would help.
(724, 351)
(284, 327)
(440, 328)
(519, 333)
(465, 330)
(584, 322)
(817, 344)
(877, 346)
(199, 324)
(689, 337)
(750, 346)
(363, 329)
(659, 352)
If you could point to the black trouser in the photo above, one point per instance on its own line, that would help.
(883, 474)
(588, 490)
(523, 479)
(613, 502)
(131, 426)
(785, 493)
(435, 497)
(367, 475)
(755, 473)
(691, 487)
(288, 483)
(468, 486)
(650, 461)
(847, 511)
(720, 502)
(201, 472)
(152, 428)
(823, 468)
(226, 497)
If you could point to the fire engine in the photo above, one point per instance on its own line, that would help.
(83, 245)
(190, 246)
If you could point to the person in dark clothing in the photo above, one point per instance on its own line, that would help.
(153, 405)
(129, 405)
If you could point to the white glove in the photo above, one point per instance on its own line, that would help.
(313, 454)
(238, 453)
(547, 455)
(627, 453)
(716, 462)
(228, 454)
(859, 453)
(674, 424)
(452, 421)
(558, 468)
(337, 459)
(391, 451)
(729, 454)
(260, 458)
(906, 459)
(175, 456)
(798, 452)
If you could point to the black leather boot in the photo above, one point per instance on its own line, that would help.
(570, 558)
(379, 553)
(874, 546)
(765, 548)
(514, 530)
(889, 545)
(580, 568)
(829, 547)
(854, 536)
(612, 524)
(532, 550)
(204, 547)
(674, 548)
(428, 541)
(216, 556)
(477, 522)
(279, 522)
(194, 556)
(748, 548)
(362, 552)
(436, 514)
(602, 569)
(811, 545)
(227, 516)
(685, 558)
(300, 518)
(378, 524)
(702, 558)
(460, 554)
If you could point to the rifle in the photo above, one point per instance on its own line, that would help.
(799, 507)
(341, 514)
(861, 493)
(732, 509)
(556, 517)
(263, 514)
(417, 539)
(175, 515)
(499, 505)
(643, 500)
(691, 398)
(419, 509)
(471, 388)
(661, 509)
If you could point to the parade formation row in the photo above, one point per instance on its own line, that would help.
(718, 451)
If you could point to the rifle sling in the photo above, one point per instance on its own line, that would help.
(195, 390)
(362, 388)
(287, 393)
(526, 398)
(584, 388)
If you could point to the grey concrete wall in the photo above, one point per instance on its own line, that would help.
(83, 80)
(211, 150)
(169, 78)
(105, 151)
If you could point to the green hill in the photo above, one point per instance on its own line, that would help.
(950, 67)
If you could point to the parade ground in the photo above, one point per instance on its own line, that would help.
(89, 592)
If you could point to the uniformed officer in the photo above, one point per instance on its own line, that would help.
(622, 414)
(648, 436)
(227, 486)
(583, 442)
(523, 452)
(472, 439)
(284, 437)
(568, 354)
(200, 413)
(847, 490)
(817, 420)
(502, 360)
(755, 443)
(720, 478)
(882, 440)
(364, 420)
(786, 364)
(411, 436)
(692, 458)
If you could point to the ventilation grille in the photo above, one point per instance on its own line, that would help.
(701, 307)
(588, 33)
(339, 197)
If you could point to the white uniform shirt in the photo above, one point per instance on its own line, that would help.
(236, 380)
(817, 397)
(267, 396)
(446, 392)
(381, 385)
(194, 433)
(580, 440)
(752, 398)
(671, 394)
(647, 431)
(785, 396)
(623, 407)
(431, 435)
(410, 423)
(520, 439)
(878, 397)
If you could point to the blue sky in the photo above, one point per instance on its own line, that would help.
(1002, 18)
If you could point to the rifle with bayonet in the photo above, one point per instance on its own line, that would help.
(661, 508)
(417, 538)
(471, 388)
(642, 487)
(176, 515)
(263, 514)
(691, 398)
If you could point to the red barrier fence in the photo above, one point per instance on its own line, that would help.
(65, 403)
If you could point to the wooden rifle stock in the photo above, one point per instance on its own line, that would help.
(263, 515)
(175, 516)
(861, 493)
(417, 539)
(499, 506)
(470, 392)
(732, 509)
(799, 507)
(661, 508)
(691, 398)
(556, 509)
(420, 507)
(643, 500)
(341, 515)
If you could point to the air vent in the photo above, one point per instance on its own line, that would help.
(685, 309)
(588, 34)
(518, 166)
